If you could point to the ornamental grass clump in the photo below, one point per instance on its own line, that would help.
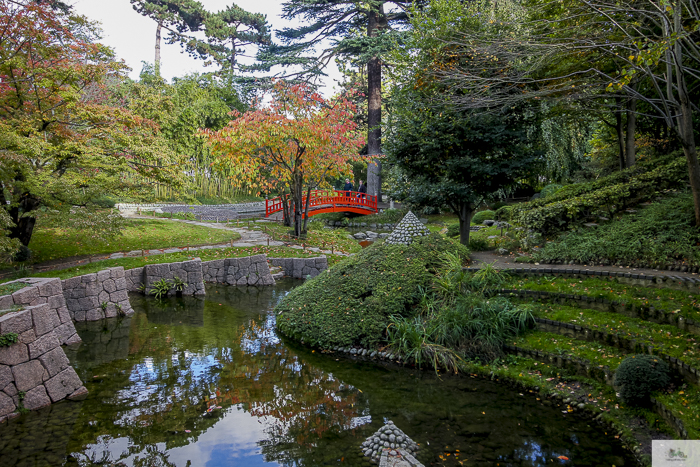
(351, 303)
(456, 320)
(638, 376)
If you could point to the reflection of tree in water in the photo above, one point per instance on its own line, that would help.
(177, 376)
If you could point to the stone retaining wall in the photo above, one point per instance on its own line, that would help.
(96, 296)
(300, 268)
(252, 270)
(45, 291)
(35, 371)
(248, 271)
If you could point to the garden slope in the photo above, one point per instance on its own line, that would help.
(350, 304)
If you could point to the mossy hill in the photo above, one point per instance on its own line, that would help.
(351, 303)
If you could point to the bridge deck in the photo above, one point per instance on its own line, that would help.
(322, 201)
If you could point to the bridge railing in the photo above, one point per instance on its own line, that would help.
(328, 200)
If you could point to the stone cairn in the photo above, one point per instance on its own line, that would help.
(409, 227)
(389, 442)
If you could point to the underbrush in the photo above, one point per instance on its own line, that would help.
(351, 303)
(659, 235)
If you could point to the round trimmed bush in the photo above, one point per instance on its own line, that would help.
(638, 376)
(504, 213)
(482, 216)
(23, 254)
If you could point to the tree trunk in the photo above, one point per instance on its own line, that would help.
(24, 225)
(298, 195)
(687, 137)
(376, 22)
(620, 134)
(465, 218)
(306, 208)
(630, 147)
(157, 61)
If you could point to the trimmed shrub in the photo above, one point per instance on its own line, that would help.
(453, 230)
(23, 254)
(550, 189)
(351, 303)
(478, 244)
(482, 216)
(638, 376)
(504, 213)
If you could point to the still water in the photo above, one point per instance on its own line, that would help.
(207, 382)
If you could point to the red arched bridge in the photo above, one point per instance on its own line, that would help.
(322, 201)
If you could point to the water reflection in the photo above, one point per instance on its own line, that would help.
(209, 383)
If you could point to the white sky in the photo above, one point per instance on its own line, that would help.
(132, 35)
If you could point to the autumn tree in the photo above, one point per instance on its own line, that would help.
(293, 144)
(65, 140)
(362, 31)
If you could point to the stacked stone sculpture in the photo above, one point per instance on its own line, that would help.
(390, 441)
(409, 228)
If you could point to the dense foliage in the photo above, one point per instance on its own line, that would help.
(351, 303)
(482, 216)
(659, 235)
(638, 376)
(559, 212)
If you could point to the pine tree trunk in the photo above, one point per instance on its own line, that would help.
(374, 107)
(157, 60)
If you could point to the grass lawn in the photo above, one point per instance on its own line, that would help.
(318, 236)
(205, 255)
(55, 243)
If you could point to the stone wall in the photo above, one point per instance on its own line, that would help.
(45, 291)
(252, 270)
(189, 272)
(96, 296)
(300, 268)
(35, 371)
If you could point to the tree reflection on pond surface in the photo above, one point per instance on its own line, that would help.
(207, 382)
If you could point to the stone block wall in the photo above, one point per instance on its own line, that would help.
(96, 296)
(189, 272)
(45, 291)
(252, 270)
(300, 268)
(35, 371)
(134, 279)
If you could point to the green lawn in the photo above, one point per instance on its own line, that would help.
(205, 255)
(55, 243)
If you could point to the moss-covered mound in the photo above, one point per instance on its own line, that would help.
(351, 303)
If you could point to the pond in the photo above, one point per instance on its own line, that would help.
(207, 382)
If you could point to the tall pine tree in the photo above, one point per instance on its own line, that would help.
(357, 30)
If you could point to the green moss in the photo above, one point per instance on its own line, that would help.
(351, 303)
(597, 354)
(685, 303)
(8, 289)
(668, 339)
(684, 403)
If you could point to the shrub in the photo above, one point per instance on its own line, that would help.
(661, 233)
(481, 216)
(23, 254)
(504, 213)
(497, 205)
(638, 376)
(549, 190)
(453, 230)
(104, 202)
(609, 195)
(351, 303)
(478, 244)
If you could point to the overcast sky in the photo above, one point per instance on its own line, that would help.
(132, 35)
